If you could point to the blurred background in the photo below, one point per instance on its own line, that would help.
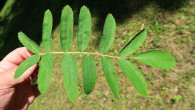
(170, 25)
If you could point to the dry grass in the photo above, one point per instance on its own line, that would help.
(167, 89)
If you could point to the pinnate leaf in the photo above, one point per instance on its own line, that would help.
(70, 76)
(45, 70)
(110, 74)
(26, 64)
(89, 74)
(28, 43)
(134, 75)
(108, 33)
(157, 58)
(66, 27)
(134, 43)
(84, 28)
(47, 30)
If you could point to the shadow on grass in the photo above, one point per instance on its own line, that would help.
(27, 15)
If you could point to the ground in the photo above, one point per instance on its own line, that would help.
(174, 89)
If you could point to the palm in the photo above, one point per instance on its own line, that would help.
(20, 96)
(16, 94)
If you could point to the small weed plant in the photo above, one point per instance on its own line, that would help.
(155, 58)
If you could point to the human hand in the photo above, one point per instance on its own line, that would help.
(17, 94)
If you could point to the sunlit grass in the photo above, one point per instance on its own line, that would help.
(173, 88)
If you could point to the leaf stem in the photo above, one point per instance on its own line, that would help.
(90, 53)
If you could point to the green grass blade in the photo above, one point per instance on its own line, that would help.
(28, 43)
(45, 71)
(134, 43)
(89, 74)
(157, 58)
(84, 28)
(69, 68)
(26, 64)
(134, 75)
(108, 34)
(109, 72)
(66, 27)
(47, 30)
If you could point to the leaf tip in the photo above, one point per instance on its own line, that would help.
(110, 15)
(83, 6)
(73, 100)
(16, 74)
(146, 91)
(41, 89)
(20, 32)
(86, 92)
(67, 6)
(15, 77)
(117, 97)
(47, 11)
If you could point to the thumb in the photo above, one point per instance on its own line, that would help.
(7, 77)
(26, 75)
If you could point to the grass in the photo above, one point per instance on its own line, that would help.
(173, 89)
(167, 89)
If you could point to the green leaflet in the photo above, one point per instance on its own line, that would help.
(26, 64)
(89, 74)
(84, 28)
(109, 72)
(66, 27)
(134, 75)
(69, 68)
(134, 43)
(28, 43)
(47, 30)
(108, 33)
(45, 70)
(157, 58)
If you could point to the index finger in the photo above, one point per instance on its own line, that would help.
(14, 58)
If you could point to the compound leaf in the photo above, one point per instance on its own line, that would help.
(28, 43)
(157, 58)
(70, 76)
(26, 64)
(89, 74)
(45, 70)
(109, 72)
(84, 29)
(134, 75)
(66, 27)
(108, 33)
(47, 30)
(134, 43)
